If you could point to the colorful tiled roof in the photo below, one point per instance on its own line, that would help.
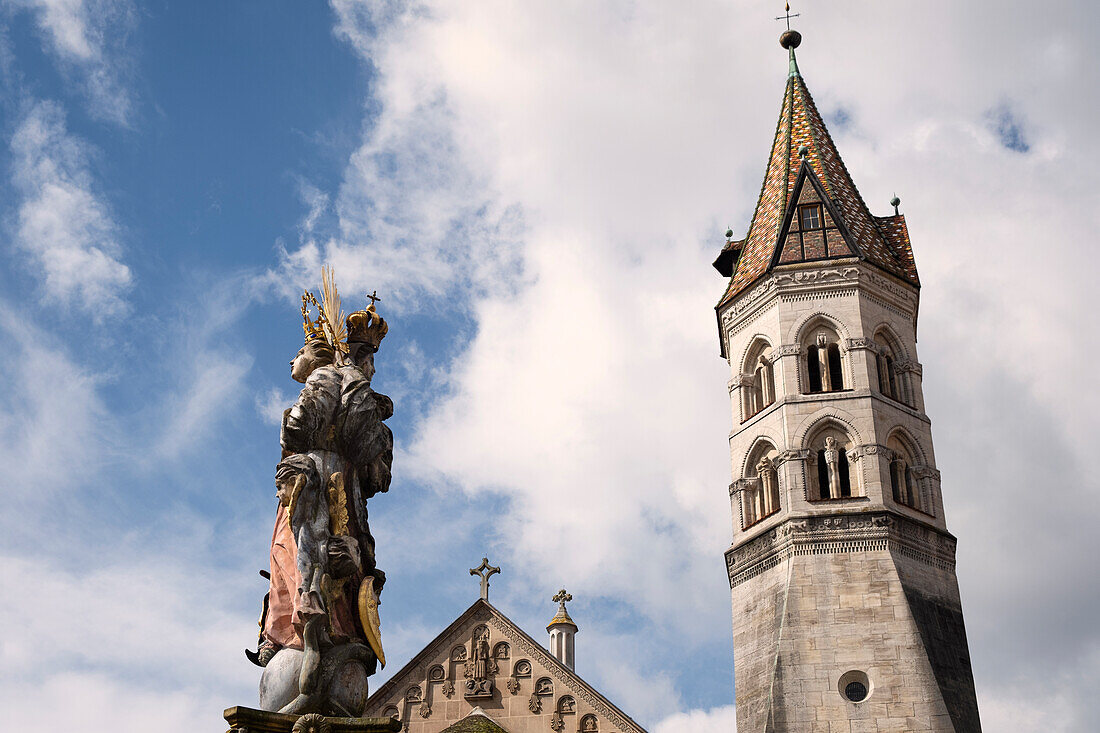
(882, 241)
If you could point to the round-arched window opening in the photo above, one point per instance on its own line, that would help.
(854, 686)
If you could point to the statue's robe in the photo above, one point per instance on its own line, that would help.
(337, 422)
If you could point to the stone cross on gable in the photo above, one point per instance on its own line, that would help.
(485, 570)
(562, 598)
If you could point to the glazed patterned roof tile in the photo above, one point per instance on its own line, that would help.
(883, 241)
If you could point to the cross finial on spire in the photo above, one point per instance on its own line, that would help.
(788, 16)
(561, 598)
(373, 297)
(486, 571)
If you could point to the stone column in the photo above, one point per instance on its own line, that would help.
(766, 472)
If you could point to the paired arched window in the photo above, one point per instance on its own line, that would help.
(824, 369)
(757, 380)
(832, 476)
(891, 382)
(904, 486)
(760, 495)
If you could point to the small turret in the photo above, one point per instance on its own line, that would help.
(562, 630)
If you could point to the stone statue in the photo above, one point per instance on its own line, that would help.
(823, 363)
(320, 636)
(832, 461)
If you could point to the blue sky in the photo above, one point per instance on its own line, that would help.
(536, 190)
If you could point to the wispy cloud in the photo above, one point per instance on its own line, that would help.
(65, 225)
(87, 39)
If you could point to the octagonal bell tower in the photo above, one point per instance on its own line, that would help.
(845, 603)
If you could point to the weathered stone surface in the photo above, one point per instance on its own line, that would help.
(250, 720)
(823, 587)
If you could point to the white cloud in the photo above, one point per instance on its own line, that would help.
(716, 720)
(86, 37)
(271, 405)
(64, 224)
(624, 137)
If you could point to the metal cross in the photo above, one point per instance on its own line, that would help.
(562, 597)
(788, 16)
(486, 571)
(373, 297)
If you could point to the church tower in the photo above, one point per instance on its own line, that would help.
(846, 609)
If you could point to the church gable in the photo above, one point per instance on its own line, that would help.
(811, 228)
(485, 661)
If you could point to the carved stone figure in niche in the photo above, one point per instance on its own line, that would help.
(321, 626)
(544, 687)
(823, 362)
(458, 654)
(567, 705)
(501, 650)
(832, 462)
(480, 664)
(589, 724)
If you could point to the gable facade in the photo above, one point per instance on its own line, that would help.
(483, 660)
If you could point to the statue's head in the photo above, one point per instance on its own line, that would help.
(315, 353)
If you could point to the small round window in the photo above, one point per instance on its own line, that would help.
(854, 686)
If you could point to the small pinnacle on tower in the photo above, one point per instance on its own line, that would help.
(895, 202)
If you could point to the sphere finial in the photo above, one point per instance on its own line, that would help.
(895, 202)
(790, 39)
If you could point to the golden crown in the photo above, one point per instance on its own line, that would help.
(367, 327)
(329, 323)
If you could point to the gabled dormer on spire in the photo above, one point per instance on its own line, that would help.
(809, 208)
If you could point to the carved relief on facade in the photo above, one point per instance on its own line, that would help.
(522, 668)
(448, 688)
(589, 724)
(501, 650)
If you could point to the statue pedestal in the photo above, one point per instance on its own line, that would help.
(250, 720)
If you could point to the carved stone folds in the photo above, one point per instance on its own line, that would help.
(817, 535)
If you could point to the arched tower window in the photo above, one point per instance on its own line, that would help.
(760, 495)
(831, 476)
(824, 368)
(904, 486)
(891, 382)
(757, 379)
